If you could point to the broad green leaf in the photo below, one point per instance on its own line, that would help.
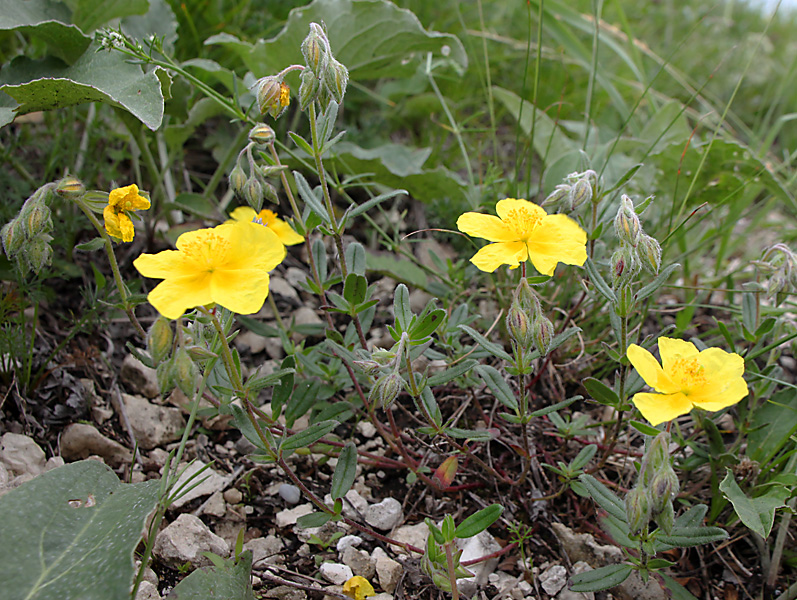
(316, 519)
(48, 21)
(91, 14)
(355, 288)
(758, 514)
(309, 436)
(773, 424)
(158, 20)
(95, 77)
(401, 307)
(601, 392)
(356, 258)
(372, 38)
(427, 325)
(399, 269)
(345, 470)
(478, 521)
(225, 580)
(600, 579)
(71, 533)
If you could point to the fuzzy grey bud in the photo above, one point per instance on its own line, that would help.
(542, 333)
(657, 458)
(580, 193)
(624, 267)
(649, 253)
(517, 323)
(159, 339)
(665, 519)
(253, 193)
(269, 193)
(336, 78)
(35, 216)
(238, 180)
(314, 50)
(185, 372)
(370, 367)
(663, 487)
(386, 389)
(14, 236)
(273, 96)
(637, 509)
(38, 253)
(626, 223)
(308, 90)
(165, 376)
(559, 197)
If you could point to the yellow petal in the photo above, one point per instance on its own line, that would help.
(252, 246)
(243, 213)
(174, 296)
(719, 397)
(487, 227)
(493, 256)
(720, 364)
(126, 227)
(557, 238)
(128, 198)
(504, 208)
(112, 222)
(242, 292)
(658, 408)
(672, 349)
(160, 265)
(650, 370)
(358, 588)
(285, 232)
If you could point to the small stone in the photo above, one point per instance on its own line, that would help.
(185, 540)
(304, 315)
(296, 277)
(244, 446)
(335, 573)
(361, 564)
(290, 493)
(384, 515)
(387, 570)
(474, 547)
(414, 535)
(148, 591)
(381, 596)
(282, 288)
(285, 592)
(53, 463)
(288, 517)
(348, 541)
(213, 483)
(233, 496)
(553, 579)
(265, 549)
(366, 429)
(141, 378)
(80, 440)
(21, 455)
(249, 340)
(153, 425)
(566, 594)
(215, 506)
(583, 547)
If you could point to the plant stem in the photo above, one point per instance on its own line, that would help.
(452, 576)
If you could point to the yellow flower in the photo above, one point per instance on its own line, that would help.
(710, 379)
(358, 588)
(522, 231)
(284, 232)
(226, 265)
(120, 202)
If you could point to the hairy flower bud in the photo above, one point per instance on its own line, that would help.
(70, 188)
(517, 323)
(528, 299)
(237, 180)
(38, 253)
(637, 509)
(35, 216)
(649, 253)
(159, 339)
(386, 389)
(559, 197)
(14, 236)
(542, 333)
(261, 134)
(626, 223)
(336, 78)
(370, 367)
(314, 50)
(253, 193)
(273, 96)
(308, 90)
(580, 193)
(164, 373)
(269, 193)
(185, 372)
(663, 487)
(657, 458)
(665, 519)
(624, 267)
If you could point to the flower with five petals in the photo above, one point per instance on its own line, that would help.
(122, 201)
(524, 231)
(226, 265)
(710, 379)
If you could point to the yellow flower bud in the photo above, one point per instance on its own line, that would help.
(626, 223)
(273, 96)
(649, 253)
(261, 134)
(70, 188)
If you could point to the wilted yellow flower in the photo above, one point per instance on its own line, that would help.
(524, 231)
(226, 265)
(120, 202)
(358, 588)
(710, 379)
(284, 232)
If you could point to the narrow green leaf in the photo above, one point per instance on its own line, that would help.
(301, 142)
(583, 457)
(469, 434)
(683, 537)
(498, 385)
(355, 258)
(309, 436)
(308, 195)
(603, 497)
(313, 520)
(401, 307)
(554, 407)
(600, 579)
(478, 521)
(451, 373)
(368, 204)
(644, 428)
(345, 470)
(427, 325)
(599, 282)
(284, 389)
(244, 425)
(428, 402)
(92, 245)
(601, 392)
(491, 347)
(656, 283)
(320, 258)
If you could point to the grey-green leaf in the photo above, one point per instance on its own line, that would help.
(478, 521)
(71, 533)
(95, 77)
(600, 579)
(758, 514)
(48, 21)
(229, 580)
(345, 470)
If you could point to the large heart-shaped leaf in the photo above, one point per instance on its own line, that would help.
(373, 38)
(71, 532)
(47, 20)
(225, 580)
